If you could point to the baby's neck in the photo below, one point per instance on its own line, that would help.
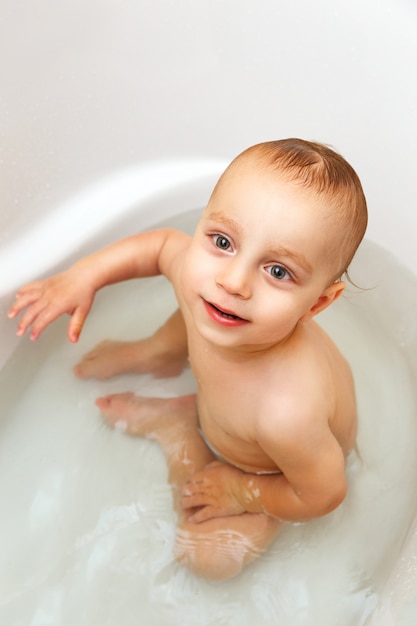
(250, 352)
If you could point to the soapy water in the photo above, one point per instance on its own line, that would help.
(87, 523)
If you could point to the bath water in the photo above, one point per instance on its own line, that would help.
(87, 525)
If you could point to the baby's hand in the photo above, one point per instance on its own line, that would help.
(214, 491)
(46, 300)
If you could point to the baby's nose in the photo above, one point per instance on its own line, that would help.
(234, 278)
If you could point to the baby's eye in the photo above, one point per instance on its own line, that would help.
(279, 272)
(222, 242)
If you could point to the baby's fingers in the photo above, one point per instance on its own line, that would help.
(30, 318)
(193, 496)
(39, 315)
(190, 502)
(76, 324)
(204, 514)
(23, 299)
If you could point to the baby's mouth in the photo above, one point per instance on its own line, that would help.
(226, 314)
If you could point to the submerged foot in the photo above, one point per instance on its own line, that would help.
(148, 417)
(111, 358)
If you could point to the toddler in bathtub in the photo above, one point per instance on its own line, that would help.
(265, 438)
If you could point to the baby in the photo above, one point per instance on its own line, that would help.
(265, 438)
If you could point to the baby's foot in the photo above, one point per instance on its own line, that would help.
(148, 417)
(110, 358)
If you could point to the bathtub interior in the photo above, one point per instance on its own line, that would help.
(89, 89)
(85, 539)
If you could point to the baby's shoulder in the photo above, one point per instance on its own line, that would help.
(297, 397)
(175, 247)
(302, 385)
(315, 388)
(315, 358)
(294, 421)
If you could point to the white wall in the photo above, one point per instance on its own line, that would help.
(91, 86)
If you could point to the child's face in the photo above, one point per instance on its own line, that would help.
(259, 261)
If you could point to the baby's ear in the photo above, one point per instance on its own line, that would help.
(328, 296)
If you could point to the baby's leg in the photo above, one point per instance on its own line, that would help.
(218, 548)
(221, 547)
(172, 422)
(164, 354)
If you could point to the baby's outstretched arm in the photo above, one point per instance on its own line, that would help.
(73, 291)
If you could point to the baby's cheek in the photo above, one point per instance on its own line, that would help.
(196, 270)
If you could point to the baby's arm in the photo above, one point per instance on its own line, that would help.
(73, 291)
(312, 483)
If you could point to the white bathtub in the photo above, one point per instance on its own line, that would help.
(112, 110)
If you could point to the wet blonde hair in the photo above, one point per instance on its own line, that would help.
(316, 168)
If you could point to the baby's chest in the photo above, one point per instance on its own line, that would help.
(234, 400)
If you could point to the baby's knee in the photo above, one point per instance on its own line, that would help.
(215, 556)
